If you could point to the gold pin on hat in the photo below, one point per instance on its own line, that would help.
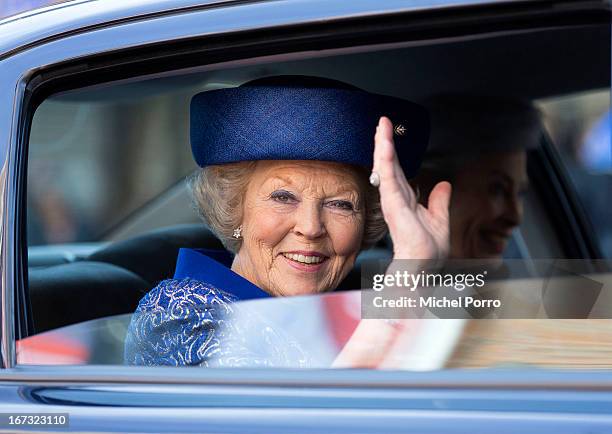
(399, 130)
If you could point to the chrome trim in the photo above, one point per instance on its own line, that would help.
(8, 245)
(6, 296)
(518, 379)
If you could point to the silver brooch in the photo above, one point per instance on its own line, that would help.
(399, 130)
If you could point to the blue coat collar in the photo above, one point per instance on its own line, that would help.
(213, 267)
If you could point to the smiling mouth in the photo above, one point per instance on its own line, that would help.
(496, 236)
(496, 240)
(305, 259)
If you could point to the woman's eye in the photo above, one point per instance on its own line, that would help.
(497, 189)
(283, 197)
(342, 205)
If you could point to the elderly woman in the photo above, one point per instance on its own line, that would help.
(479, 144)
(295, 187)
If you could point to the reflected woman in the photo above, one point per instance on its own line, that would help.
(299, 174)
(480, 144)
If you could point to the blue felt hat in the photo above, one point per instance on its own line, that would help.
(302, 118)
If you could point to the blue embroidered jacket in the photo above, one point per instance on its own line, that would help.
(191, 320)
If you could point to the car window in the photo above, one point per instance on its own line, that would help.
(580, 127)
(116, 207)
(97, 138)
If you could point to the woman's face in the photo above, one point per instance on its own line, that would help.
(487, 204)
(302, 226)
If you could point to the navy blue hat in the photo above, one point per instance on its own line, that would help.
(302, 118)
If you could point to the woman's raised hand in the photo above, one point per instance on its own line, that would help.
(417, 232)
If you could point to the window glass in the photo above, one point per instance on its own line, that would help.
(580, 128)
(98, 157)
(122, 269)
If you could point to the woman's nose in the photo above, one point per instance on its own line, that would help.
(308, 221)
(514, 211)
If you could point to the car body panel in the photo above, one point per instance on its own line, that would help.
(227, 400)
(34, 27)
(103, 398)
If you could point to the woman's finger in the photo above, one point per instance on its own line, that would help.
(438, 203)
(390, 192)
(393, 183)
(384, 152)
(398, 171)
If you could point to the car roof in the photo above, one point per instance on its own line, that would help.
(37, 26)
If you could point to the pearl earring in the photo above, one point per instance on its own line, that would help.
(237, 233)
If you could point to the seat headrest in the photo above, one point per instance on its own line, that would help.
(80, 291)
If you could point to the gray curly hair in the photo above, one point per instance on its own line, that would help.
(218, 192)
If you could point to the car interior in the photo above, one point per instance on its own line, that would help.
(133, 241)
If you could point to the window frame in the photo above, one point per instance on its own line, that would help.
(571, 217)
(153, 43)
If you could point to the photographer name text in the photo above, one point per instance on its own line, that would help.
(431, 302)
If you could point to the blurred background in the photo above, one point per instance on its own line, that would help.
(128, 145)
(93, 163)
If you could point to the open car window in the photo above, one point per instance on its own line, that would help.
(109, 207)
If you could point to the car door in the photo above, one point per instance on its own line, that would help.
(92, 48)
